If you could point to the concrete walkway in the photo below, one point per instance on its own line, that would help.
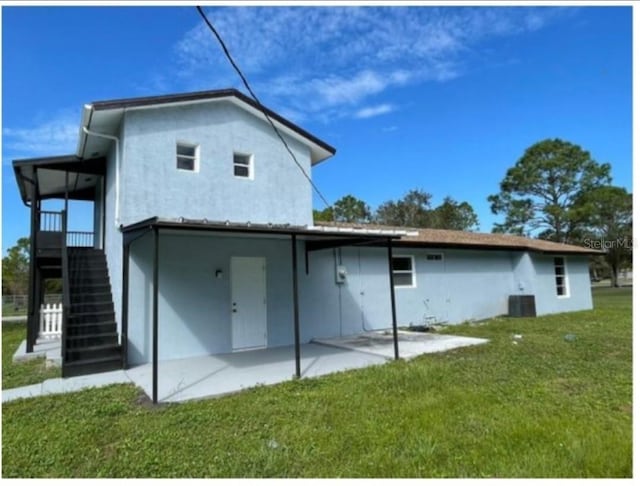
(66, 385)
(14, 318)
(50, 349)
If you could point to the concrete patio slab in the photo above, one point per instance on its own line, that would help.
(210, 376)
(410, 344)
(49, 349)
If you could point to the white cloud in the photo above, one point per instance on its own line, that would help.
(55, 136)
(371, 111)
(318, 63)
(324, 62)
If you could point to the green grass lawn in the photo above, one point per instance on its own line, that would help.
(12, 310)
(25, 373)
(544, 407)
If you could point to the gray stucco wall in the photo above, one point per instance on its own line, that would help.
(579, 297)
(361, 303)
(151, 185)
(194, 306)
(113, 236)
(463, 285)
(195, 310)
(524, 273)
(98, 210)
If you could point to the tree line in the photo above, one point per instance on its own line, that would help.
(556, 191)
(412, 210)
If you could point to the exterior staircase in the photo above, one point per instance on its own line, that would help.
(91, 339)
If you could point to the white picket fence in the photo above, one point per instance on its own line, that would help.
(50, 321)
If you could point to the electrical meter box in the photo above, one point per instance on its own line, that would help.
(341, 274)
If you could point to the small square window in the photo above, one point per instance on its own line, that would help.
(403, 271)
(243, 165)
(187, 157)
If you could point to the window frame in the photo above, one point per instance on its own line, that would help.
(249, 165)
(195, 157)
(564, 276)
(412, 272)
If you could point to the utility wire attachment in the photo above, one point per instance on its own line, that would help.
(262, 108)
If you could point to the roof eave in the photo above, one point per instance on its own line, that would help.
(320, 150)
(489, 247)
(219, 226)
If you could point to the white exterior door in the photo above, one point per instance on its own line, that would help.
(248, 303)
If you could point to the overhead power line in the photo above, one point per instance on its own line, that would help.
(260, 105)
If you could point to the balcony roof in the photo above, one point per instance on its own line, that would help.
(46, 177)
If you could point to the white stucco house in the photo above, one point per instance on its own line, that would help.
(203, 243)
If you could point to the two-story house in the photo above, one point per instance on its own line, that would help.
(203, 243)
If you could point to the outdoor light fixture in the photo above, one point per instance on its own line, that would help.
(218, 273)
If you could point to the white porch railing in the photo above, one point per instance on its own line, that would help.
(50, 321)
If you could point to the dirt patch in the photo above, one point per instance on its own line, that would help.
(143, 401)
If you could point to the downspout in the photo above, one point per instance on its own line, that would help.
(117, 141)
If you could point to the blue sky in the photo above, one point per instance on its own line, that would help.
(444, 99)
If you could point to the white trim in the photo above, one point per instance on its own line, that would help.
(250, 165)
(85, 131)
(196, 156)
(318, 153)
(413, 272)
(567, 289)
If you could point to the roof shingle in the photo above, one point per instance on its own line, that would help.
(429, 237)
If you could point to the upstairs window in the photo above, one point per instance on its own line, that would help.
(187, 156)
(243, 165)
(403, 272)
(562, 282)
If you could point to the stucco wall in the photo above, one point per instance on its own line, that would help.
(153, 186)
(113, 236)
(361, 303)
(464, 285)
(524, 273)
(194, 306)
(150, 184)
(195, 311)
(98, 210)
(579, 297)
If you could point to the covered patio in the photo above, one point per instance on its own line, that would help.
(217, 372)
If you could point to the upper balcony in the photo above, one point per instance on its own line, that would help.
(66, 178)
